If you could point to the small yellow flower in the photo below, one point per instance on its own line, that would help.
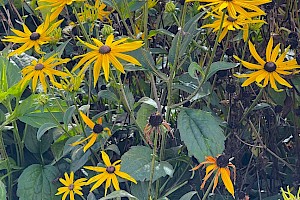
(232, 23)
(104, 54)
(287, 195)
(151, 3)
(97, 129)
(221, 165)
(270, 70)
(32, 39)
(71, 187)
(108, 174)
(56, 6)
(91, 13)
(234, 6)
(40, 69)
(71, 83)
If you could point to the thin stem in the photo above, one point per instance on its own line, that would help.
(153, 162)
(209, 188)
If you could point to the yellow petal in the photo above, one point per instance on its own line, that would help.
(269, 49)
(255, 54)
(280, 80)
(115, 182)
(87, 120)
(275, 53)
(108, 183)
(227, 181)
(90, 143)
(105, 159)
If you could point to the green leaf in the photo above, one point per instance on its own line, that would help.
(143, 114)
(217, 66)
(118, 193)
(2, 191)
(137, 163)
(188, 196)
(36, 182)
(193, 68)
(109, 95)
(79, 158)
(140, 190)
(9, 73)
(43, 129)
(201, 133)
(68, 114)
(35, 146)
(37, 119)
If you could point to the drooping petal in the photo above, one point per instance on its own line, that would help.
(108, 183)
(90, 143)
(280, 80)
(226, 180)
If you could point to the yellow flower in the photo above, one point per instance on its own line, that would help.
(287, 195)
(40, 69)
(97, 129)
(91, 13)
(108, 174)
(269, 70)
(70, 186)
(56, 6)
(151, 3)
(234, 6)
(32, 39)
(231, 23)
(71, 83)
(221, 165)
(104, 54)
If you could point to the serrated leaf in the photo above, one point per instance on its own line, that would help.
(43, 129)
(201, 133)
(221, 65)
(2, 191)
(137, 163)
(118, 193)
(36, 182)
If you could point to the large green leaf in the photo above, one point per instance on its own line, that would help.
(37, 119)
(217, 66)
(36, 182)
(9, 73)
(201, 133)
(2, 191)
(137, 163)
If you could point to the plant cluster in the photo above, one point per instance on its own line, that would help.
(188, 99)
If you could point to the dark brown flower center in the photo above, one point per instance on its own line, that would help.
(35, 36)
(231, 19)
(110, 169)
(270, 66)
(222, 161)
(39, 66)
(98, 128)
(71, 186)
(155, 119)
(104, 49)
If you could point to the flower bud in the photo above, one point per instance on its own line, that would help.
(107, 30)
(170, 7)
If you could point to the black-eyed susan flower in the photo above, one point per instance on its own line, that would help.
(97, 129)
(220, 165)
(288, 195)
(56, 6)
(234, 6)
(32, 39)
(270, 70)
(232, 23)
(154, 125)
(108, 174)
(71, 83)
(71, 187)
(40, 69)
(104, 54)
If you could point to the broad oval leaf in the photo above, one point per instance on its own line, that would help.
(43, 129)
(188, 196)
(137, 163)
(221, 65)
(201, 133)
(118, 194)
(36, 182)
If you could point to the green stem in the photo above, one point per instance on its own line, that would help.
(5, 157)
(153, 162)
(209, 188)
(146, 25)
